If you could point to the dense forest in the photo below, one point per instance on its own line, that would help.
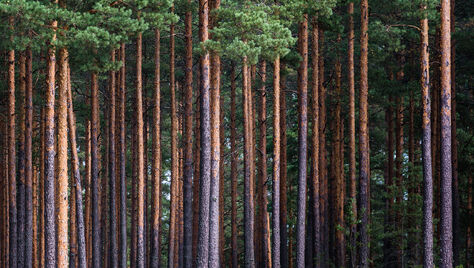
(236, 133)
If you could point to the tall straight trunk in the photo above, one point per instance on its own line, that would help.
(264, 225)
(49, 162)
(72, 221)
(113, 250)
(340, 182)
(352, 134)
(435, 129)
(315, 145)
(174, 156)
(215, 151)
(21, 164)
(62, 180)
(103, 185)
(12, 158)
(266, 247)
(123, 159)
(276, 258)
(283, 173)
(95, 235)
(454, 146)
(428, 260)
(133, 229)
(88, 197)
(29, 223)
(446, 225)
(4, 192)
(205, 158)
(302, 143)
(188, 151)
(140, 160)
(41, 190)
(36, 243)
(233, 169)
(197, 161)
(364, 172)
(248, 195)
(81, 241)
(156, 170)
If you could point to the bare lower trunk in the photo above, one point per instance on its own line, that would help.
(302, 144)
(50, 233)
(276, 258)
(446, 161)
(188, 151)
(12, 161)
(248, 195)
(140, 161)
(426, 147)
(233, 169)
(205, 158)
(364, 138)
(122, 153)
(156, 170)
(283, 173)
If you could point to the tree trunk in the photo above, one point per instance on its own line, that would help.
(62, 180)
(428, 260)
(339, 160)
(29, 221)
(21, 164)
(156, 170)
(446, 223)
(50, 229)
(87, 214)
(233, 168)
(123, 159)
(81, 242)
(364, 137)
(302, 143)
(205, 158)
(248, 195)
(140, 161)
(188, 151)
(113, 250)
(197, 163)
(264, 225)
(352, 139)
(96, 245)
(283, 173)
(276, 263)
(215, 152)
(133, 239)
(315, 145)
(454, 144)
(12, 161)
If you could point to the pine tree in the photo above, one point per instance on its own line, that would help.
(62, 180)
(188, 151)
(446, 227)
(302, 142)
(364, 138)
